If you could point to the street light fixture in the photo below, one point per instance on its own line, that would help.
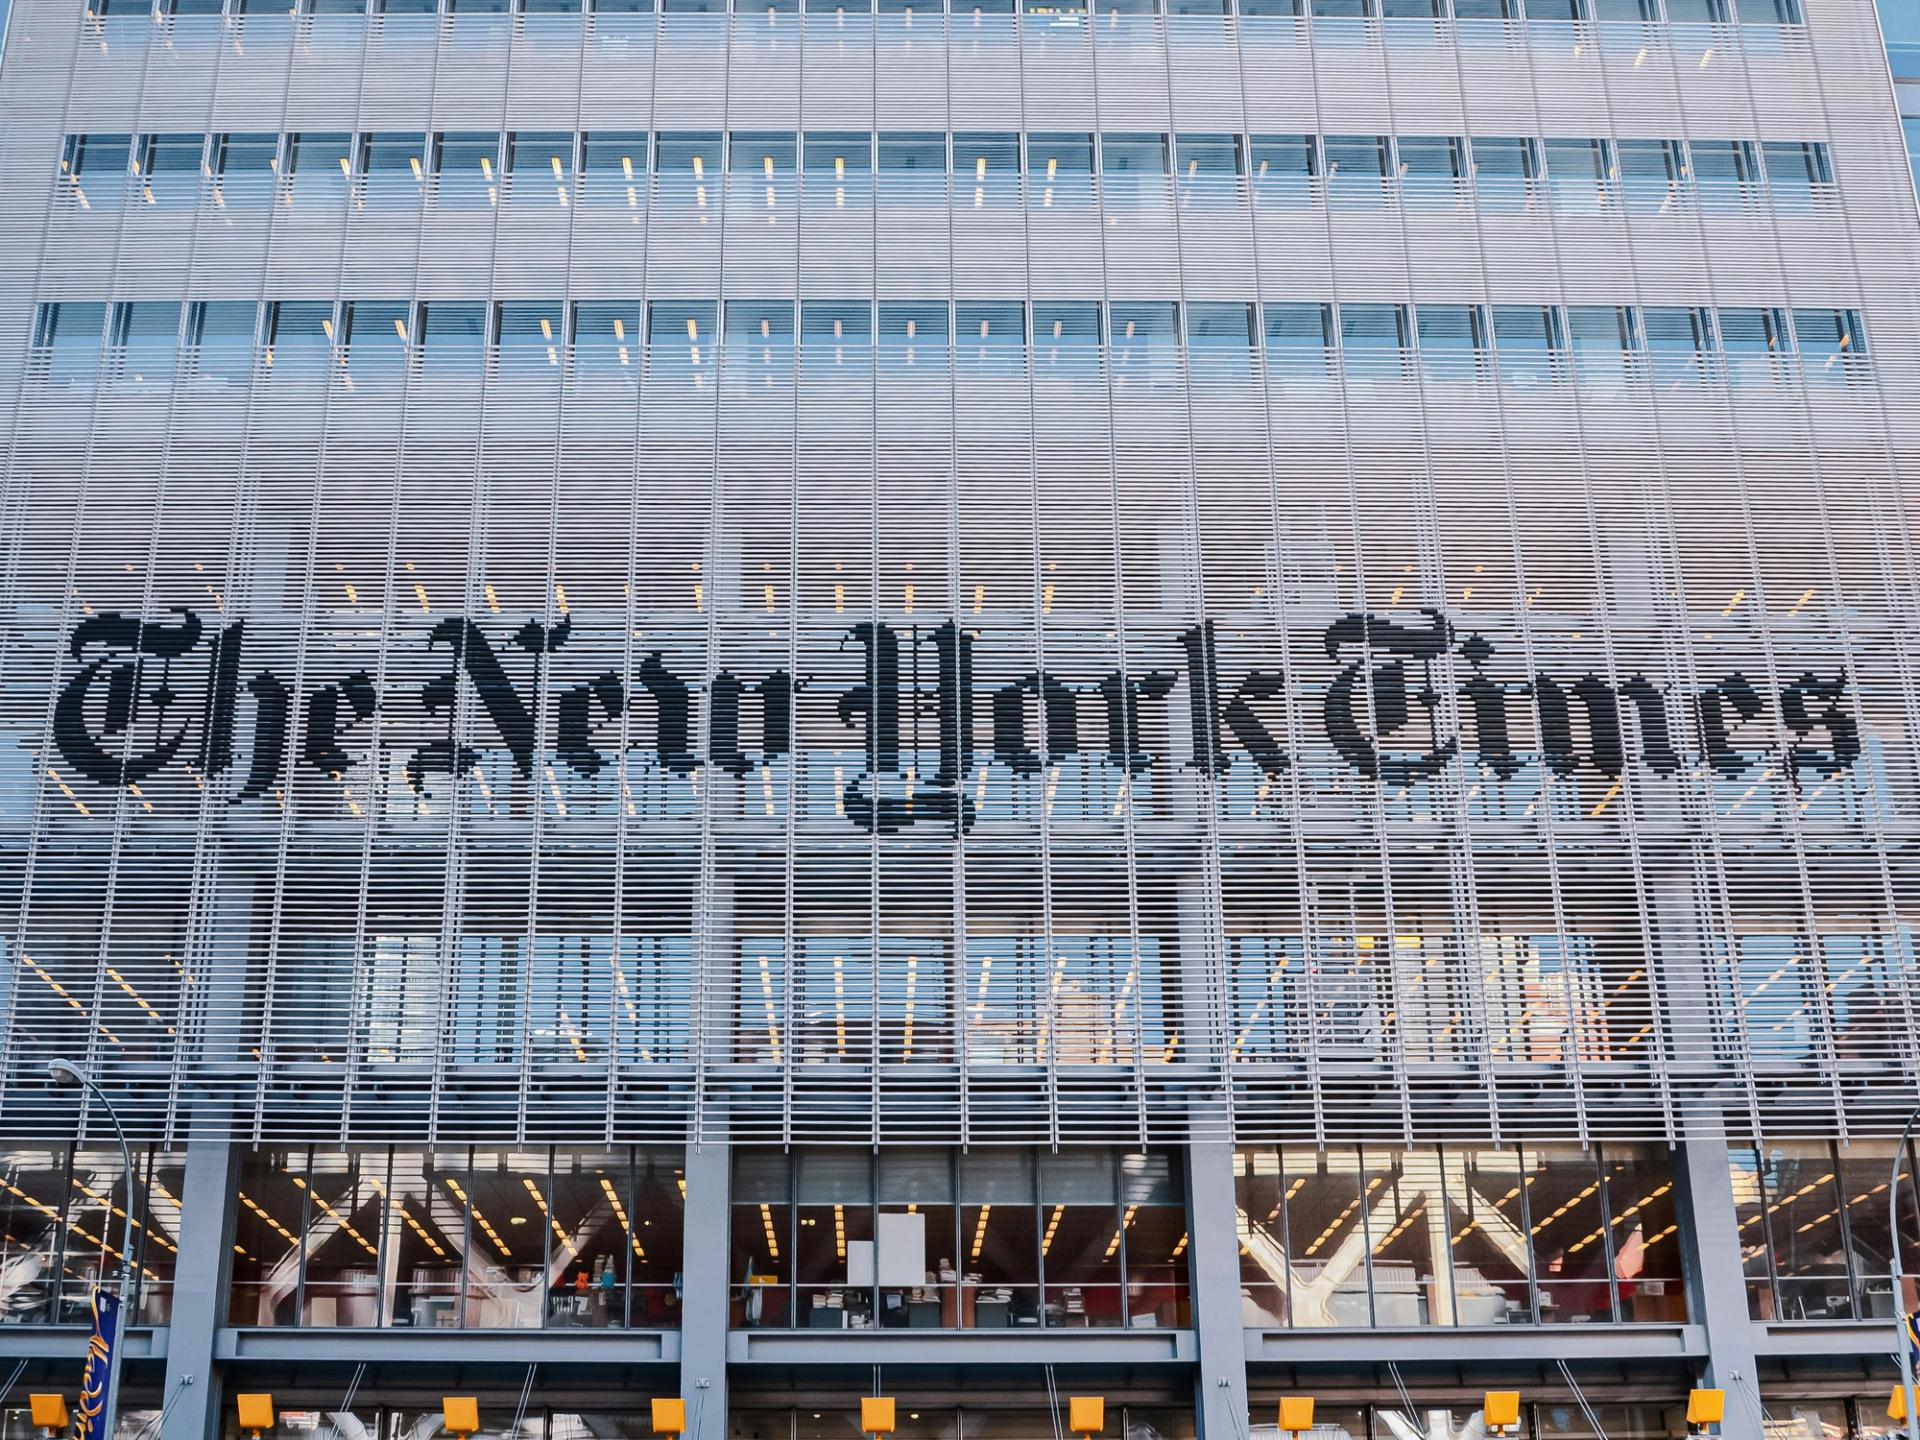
(65, 1072)
(1903, 1334)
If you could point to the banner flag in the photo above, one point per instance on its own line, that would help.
(95, 1379)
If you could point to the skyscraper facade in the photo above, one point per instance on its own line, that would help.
(1177, 699)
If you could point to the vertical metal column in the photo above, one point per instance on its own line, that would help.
(192, 1392)
(703, 1291)
(1220, 1377)
(1716, 1286)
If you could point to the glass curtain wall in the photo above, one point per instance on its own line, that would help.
(1382, 1237)
(459, 1238)
(1813, 1219)
(62, 1219)
(930, 1239)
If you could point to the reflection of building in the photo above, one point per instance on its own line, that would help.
(1173, 698)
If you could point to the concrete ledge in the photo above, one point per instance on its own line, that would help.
(63, 1342)
(1467, 1346)
(960, 1347)
(449, 1347)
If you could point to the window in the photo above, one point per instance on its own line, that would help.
(1451, 337)
(1210, 167)
(319, 167)
(1578, 171)
(1900, 26)
(243, 168)
(680, 338)
(1144, 340)
(390, 169)
(529, 335)
(453, 336)
(463, 170)
(1284, 167)
(1754, 339)
(762, 173)
(220, 338)
(1724, 172)
(1066, 339)
(1504, 169)
(298, 335)
(1828, 339)
(1796, 172)
(1600, 338)
(375, 335)
(1373, 339)
(689, 169)
(605, 333)
(986, 170)
(1357, 167)
(613, 165)
(989, 338)
(1431, 167)
(1650, 171)
(94, 168)
(1059, 171)
(1526, 337)
(836, 339)
(1299, 341)
(539, 165)
(759, 341)
(167, 169)
(839, 170)
(1133, 170)
(482, 1239)
(913, 168)
(913, 337)
(1680, 341)
(66, 339)
(1221, 340)
(144, 335)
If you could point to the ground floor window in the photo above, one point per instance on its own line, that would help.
(459, 1237)
(937, 1239)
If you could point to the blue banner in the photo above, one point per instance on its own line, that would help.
(98, 1376)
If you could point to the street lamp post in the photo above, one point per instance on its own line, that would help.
(65, 1072)
(1905, 1345)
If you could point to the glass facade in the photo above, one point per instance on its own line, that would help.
(458, 1238)
(997, 1240)
(1501, 1236)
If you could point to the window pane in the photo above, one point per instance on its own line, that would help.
(1326, 1239)
(605, 332)
(990, 337)
(169, 169)
(318, 168)
(1809, 1260)
(1492, 1263)
(342, 1285)
(913, 336)
(1563, 1199)
(243, 169)
(68, 335)
(529, 334)
(1644, 1234)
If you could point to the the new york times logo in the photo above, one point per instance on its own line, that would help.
(149, 694)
